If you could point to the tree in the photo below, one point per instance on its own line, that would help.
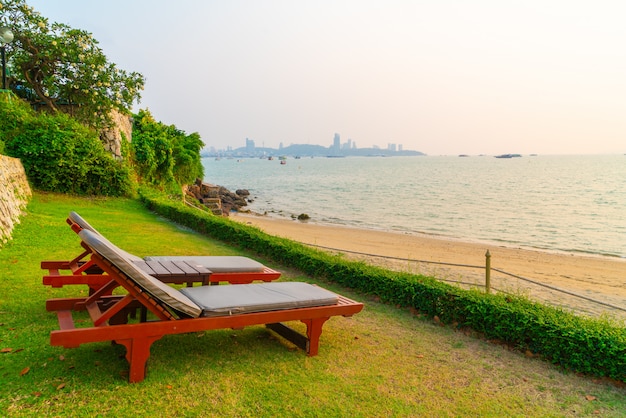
(187, 161)
(165, 154)
(65, 68)
(152, 148)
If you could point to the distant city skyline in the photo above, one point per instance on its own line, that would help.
(250, 147)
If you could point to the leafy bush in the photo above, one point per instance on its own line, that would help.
(580, 344)
(186, 152)
(14, 113)
(59, 154)
(164, 154)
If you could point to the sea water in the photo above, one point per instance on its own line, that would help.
(557, 203)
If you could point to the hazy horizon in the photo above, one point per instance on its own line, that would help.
(235, 147)
(443, 78)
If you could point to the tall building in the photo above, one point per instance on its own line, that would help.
(337, 142)
(249, 146)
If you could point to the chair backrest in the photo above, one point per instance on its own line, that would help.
(77, 219)
(160, 292)
(83, 224)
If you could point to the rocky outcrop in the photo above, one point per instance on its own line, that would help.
(121, 130)
(14, 195)
(218, 199)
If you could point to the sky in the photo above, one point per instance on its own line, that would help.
(443, 77)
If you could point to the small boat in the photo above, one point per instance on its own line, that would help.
(508, 156)
(283, 162)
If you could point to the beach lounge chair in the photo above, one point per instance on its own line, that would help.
(170, 269)
(190, 309)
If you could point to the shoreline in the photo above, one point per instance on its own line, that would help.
(427, 235)
(594, 276)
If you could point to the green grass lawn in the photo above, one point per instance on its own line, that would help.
(382, 362)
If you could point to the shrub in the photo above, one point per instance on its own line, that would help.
(14, 113)
(59, 154)
(165, 155)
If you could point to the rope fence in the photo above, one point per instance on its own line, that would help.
(487, 269)
(616, 309)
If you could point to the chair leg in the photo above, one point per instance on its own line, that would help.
(313, 332)
(137, 354)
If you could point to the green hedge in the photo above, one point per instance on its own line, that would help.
(58, 153)
(585, 345)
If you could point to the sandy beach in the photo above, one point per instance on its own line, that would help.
(598, 278)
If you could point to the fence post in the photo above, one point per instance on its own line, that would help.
(487, 272)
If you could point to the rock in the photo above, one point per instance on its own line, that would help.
(218, 199)
(121, 129)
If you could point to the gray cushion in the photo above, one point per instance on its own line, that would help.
(259, 297)
(157, 289)
(217, 264)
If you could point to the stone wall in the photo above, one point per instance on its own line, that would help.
(14, 195)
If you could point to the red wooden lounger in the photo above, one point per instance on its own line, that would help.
(191, 309)
(169, 269)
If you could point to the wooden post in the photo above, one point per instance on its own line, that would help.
(487, 272)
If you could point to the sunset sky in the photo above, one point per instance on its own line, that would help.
(441, 77)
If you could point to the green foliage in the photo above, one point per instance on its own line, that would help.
(59, 154)
(584, 345)
(62, 155)
(164, 154)
(14, 112)
(152, 149)
(186, 152)
(55, 65)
